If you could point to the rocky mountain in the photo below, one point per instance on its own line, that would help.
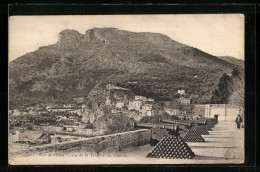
(78, 65)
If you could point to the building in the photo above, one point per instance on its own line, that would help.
(119, 104)
(69, 106)
(69, 129)
(143, 105)
(135, 105)
(16, 112)
(176, 112)
(184, 101)
(64, 108)
(141, 98)
(181, 92)
(31, 136)
(224, 112)
(147, 110)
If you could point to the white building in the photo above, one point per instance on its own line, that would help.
(184, 101)
(143, 105)
(135, 104)
(147, 110)
(16, 112)
(224, 112)
(142, 98)
(119, 104)
(147, 107)
(181, 92)
(175, 111)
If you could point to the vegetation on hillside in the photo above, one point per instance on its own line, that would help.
(230, 89)
(78, 63)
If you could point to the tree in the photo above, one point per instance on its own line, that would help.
(238, 95)
(225, 88)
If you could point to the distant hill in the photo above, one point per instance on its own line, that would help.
(233, 60)
(150, 64)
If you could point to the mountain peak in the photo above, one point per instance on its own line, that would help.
(69, 38)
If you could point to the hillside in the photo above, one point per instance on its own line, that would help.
(149, 63)
(232, 60)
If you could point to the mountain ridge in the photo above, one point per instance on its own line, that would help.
(78, 62)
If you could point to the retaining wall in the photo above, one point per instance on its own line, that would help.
(113, 142)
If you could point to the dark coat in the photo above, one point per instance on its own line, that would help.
(238, 119)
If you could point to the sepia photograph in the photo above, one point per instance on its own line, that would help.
(126, 89)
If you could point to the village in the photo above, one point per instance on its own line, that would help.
(34, 126)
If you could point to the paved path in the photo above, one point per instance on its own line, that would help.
(224, 144)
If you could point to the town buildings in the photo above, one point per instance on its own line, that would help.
(123, 101)
(143, 105)
(184, 101)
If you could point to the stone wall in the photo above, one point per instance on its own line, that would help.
(113, 142)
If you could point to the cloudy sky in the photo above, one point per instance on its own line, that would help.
(216, 34)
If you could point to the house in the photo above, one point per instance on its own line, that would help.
(64, 108)
(147, 107)
(69, 106)
(147, 110)
(142, 104)
(31, 136)
(135, 104)
(70, 129)
(149, 100)
(119, 104)
(141, 98)
(181, 92)
(175, 111)
(184, 101)
(16, 112)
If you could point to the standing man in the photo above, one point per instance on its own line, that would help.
(238, 121)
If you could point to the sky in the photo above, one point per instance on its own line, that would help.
(216, 34)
